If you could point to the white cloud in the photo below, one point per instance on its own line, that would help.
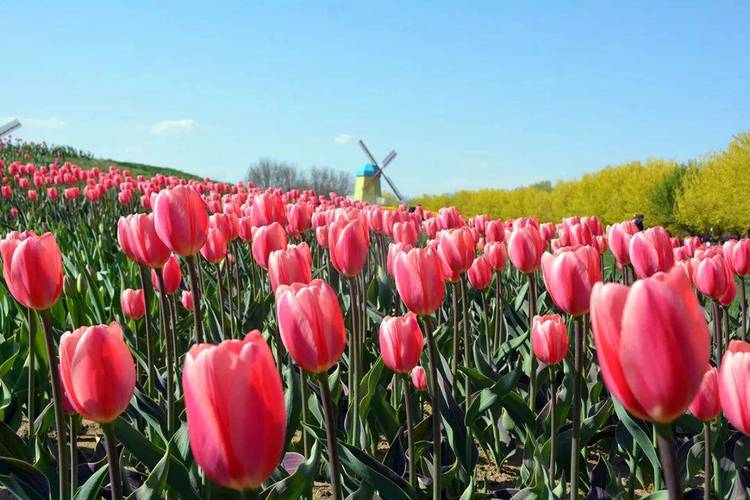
(343, 139)
(53, 123)
(169, 126)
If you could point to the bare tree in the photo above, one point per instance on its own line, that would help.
(267, 173)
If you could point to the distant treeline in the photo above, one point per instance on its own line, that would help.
(708, 196)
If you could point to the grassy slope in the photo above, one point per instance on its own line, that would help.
(135, 168)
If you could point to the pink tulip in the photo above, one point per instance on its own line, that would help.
(569, 276)
(187, 300)
(734, 385)
(496, 255)
(311, 324)
(266, 209)
(181, 220)
(215, 248)
(290, 265)
(706, 405)
(456, 250)
(549, 339)
(419, 378)
(138, 239)
(98, 371)
(525, 248)
(32, 268)
(235, 410)
(348, 242)
(171, 274)
(652, 343)
(618, 240)
(401, 342)
(406, 232)
(711, 275)
(737, 255)
(132, 303)
(266, 239)
(651, 251)
(419, 280)
(480, 273)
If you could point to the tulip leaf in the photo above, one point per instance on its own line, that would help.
(11, 444)
(488, 398)
(156, 481)
(23, 479)
(300, 482)
(641, 439)
(388, 483)
(90, 489)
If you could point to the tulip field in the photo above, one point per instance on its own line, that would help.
(171, 338)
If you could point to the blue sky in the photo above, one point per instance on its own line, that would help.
(471, 94)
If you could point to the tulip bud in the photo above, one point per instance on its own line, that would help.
(32, 268)
(132, 303)
(181, 220)
(419, 280)
(401, 342)
(706, 405)
(549, 339)
(419, 378)
(734, 381)
(480, 273)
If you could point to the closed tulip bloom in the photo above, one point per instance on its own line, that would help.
(652, 343)
(706, 405)
(266, 209)
(245, 229)
(549, 339)
(215, 248)
(227, 223)
(311, 324)
(32, 268)
(348, 242)
(419, 280)
(651, 252)
(98, 371)
(393, 250)
(734, 385)
(290, 265)
(618, 240)
(456, 250)
(401, 342)
(496, 255)
(235, 410)
(170, 273)
(729, 294)
(569, 275)
(419, 378)
(406, 232)
(187, 300)
(711, 275)
(480, 273)
(181, 220)
(737, 254)
(525, 247)
(138, 239)
(321, 236)
(132, 303)
(266, 239)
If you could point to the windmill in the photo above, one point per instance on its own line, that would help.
(9, 127)
(367, 185)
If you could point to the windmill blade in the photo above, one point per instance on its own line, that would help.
(388, 159)
(393, 187)
(9, 127)
(367, 152)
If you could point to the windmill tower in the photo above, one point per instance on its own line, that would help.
(367, 182)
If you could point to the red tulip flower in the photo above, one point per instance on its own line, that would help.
(652, 343)
(181, 220)
(235, 410)
(138, 239)
(266, 209)
(651, 252)
(215, 248)
(737, 255)
(32, 268)
(406, 232)
(401, 342)
(480, 273)
(266, 239)
(711, 274)
(734, 385)
(419, 280)
(187, 300)
(569, 275)
(419, 378)
(290, 265)
(706, 405)
(456, 250)
(170, 273)
(525, 248)
(618, 239)
(348, 242)
(549, 339)
(132, 303)
(496, 255)
(98, 371)
(311, 324)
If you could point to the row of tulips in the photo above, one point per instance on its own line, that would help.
(408, 350)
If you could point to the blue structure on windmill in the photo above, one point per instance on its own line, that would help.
(367, 183)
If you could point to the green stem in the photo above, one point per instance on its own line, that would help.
(113, 460)
(707, 461)
(532, 370)
(167, 334)
(455, 342)
(668, 460)
(146, 286)
(466, 360)
(333, 452)
(31, 389)
(408, 395)
(57, 398)
(498, 310)
(73, 455)
(553, 426)
(575, 448)
(743, 303)
(222, 303)
(196, 290)
(436, 433)
(304, 395)
(657, 470)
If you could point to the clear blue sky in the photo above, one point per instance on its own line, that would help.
(471, 94)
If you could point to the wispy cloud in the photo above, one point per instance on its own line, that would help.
(343, 139)
(52, 123)
(172, 126)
